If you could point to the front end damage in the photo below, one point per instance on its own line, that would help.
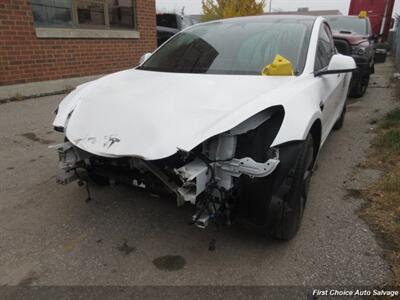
(210, 177)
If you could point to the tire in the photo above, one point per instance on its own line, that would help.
(339, 123)
(360, 86)
(287, 226)
(256, 203)
(372, 69)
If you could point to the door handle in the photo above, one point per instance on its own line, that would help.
(321, 105)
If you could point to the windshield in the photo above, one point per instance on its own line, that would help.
(234, 47)
(355, 25)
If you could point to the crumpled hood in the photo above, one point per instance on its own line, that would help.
(153, 114)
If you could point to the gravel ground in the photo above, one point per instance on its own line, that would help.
(50, 236)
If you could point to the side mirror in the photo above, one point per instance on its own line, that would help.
(144, 58)
(338, 64)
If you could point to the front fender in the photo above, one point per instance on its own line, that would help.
(68, 104)
(300, 116)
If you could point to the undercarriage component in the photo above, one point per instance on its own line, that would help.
(66, 177)
(204, 178)
(208, 208)
(195, 176)
(164, 178)
(221, 147)
(249, 167)
(202, 220)
(68, 157)
(68, 161)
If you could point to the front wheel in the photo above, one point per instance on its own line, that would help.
(359, 87)
(287, 225)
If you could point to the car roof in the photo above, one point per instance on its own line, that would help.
(262, 18)
(344, 17)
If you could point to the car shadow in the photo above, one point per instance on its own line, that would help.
(138, 212)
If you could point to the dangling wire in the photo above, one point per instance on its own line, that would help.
(81, 182)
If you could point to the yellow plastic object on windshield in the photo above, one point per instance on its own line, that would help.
(279, 67)
(363, 14)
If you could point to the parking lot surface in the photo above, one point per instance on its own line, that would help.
(50, 236)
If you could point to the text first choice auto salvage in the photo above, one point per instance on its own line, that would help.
(355, 292)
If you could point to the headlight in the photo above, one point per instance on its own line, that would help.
(359, 50)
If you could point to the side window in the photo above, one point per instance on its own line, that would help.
(325, 48)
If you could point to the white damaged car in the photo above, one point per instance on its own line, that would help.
(228, 116)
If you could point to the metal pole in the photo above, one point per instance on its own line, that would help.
(270, 6)
(383, 25)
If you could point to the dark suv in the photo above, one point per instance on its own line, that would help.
(353, 36)
(170, 24)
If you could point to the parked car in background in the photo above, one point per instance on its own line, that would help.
(380, 14)
(228, 116)
(353, 36)
(169, 24)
